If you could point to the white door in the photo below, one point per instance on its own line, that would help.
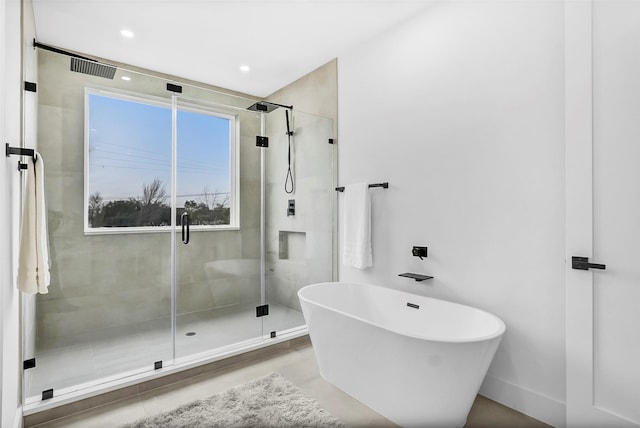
(603, 212)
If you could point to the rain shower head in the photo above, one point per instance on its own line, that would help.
(93, 68)
(263, 106)
(267, 107)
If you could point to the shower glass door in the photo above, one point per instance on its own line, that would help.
(217, 211)
(106, 148)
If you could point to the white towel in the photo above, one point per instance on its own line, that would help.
(33, 262)
(357, 226)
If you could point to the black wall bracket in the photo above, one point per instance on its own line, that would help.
(47, 394)
(30, 86)
(174, 88)
(262, 311)
(262, 141)
(29, 364)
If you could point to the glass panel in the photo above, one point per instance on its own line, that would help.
(218, 270)
(299, 245)
(108, 311)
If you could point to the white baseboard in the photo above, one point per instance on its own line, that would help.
(545, 409)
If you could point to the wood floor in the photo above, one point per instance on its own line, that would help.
(298, 365)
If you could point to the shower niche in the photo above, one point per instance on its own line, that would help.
(180, 284)
(292, 245)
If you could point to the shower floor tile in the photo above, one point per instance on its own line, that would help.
(114, 351)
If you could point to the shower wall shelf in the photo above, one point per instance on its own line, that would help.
(384, 185)
(416, 276)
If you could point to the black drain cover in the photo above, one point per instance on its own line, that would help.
(191, 333)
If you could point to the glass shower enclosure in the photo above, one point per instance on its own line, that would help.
(172, 238)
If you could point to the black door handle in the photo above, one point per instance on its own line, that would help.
(582, 263)
(184, 221)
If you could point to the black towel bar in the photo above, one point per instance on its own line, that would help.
(384, 185)
(19, 151)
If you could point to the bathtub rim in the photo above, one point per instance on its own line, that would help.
(497, 334)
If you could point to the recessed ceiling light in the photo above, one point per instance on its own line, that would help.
(245, 68)
(127, 78)
(127, 33)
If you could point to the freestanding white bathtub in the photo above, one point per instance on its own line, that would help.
(416, 360)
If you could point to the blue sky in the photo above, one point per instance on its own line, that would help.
(130, 144)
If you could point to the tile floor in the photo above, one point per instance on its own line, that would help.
(298, 365)
(69, 361)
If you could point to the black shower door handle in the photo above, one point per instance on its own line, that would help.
(184, 221)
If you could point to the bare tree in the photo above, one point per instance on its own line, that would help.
(154, 193)
(212, 207)
(214, 199)
(95, 208)
(153, 200)
(207, 198)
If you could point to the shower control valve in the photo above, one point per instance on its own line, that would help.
(419, 252)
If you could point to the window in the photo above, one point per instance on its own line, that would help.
(129, 164)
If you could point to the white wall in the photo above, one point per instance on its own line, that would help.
(10, 108)
(461, 109)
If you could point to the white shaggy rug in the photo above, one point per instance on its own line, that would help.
(270, 401)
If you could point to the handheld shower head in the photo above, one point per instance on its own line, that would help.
(289, 133)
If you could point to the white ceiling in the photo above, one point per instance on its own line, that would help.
(208, 40)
